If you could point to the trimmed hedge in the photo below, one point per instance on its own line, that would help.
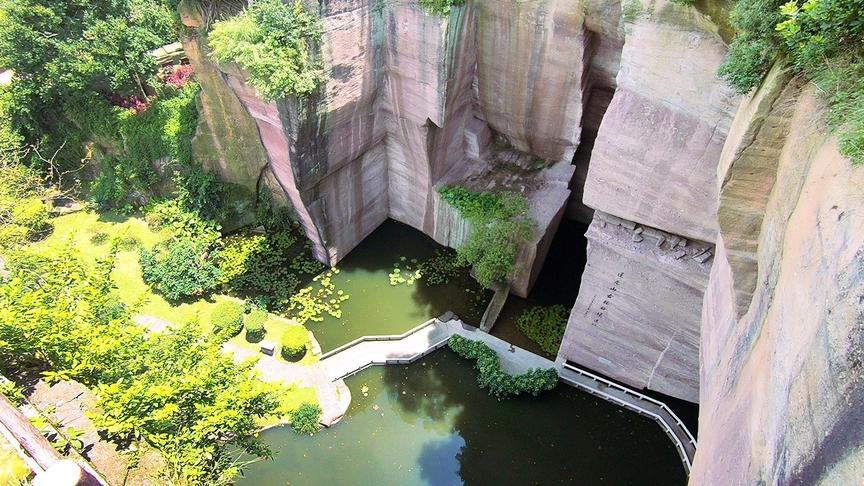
(255, 330)
(227, 319)
(294, 341)
(495, 380)
(306, 418)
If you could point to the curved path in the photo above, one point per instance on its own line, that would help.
(327, 375)
(412, 345)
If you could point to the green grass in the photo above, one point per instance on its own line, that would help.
(81, 227)
(275, 325)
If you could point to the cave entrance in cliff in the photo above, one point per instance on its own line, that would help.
(557, 284)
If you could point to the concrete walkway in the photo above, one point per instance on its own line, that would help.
(418, 342)
(333, 395)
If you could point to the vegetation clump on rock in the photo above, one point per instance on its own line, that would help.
(545, 326)
(272, 41)
(495, 380)
(500, 225)
(822, 39)
(440, 7)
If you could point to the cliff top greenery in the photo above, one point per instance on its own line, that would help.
(272, 42)
(440, 7)
(64, 51)
(822, 39)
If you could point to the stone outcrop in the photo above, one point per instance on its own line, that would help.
(637, 315)
(782, 395)
(656, 153)
(651, 180)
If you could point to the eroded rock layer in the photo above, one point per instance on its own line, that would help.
(656, 153)
(782, 396)
(652, 169)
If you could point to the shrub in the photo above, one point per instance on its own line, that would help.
(99, 238)
(179, 269)
(271, 40)
(294, 341)
(227, 319)
(496, 381)
(33, 214)
(127, 242)
(306, 418)
(440, 7)
(499, 226)
(823, 39)
(545, 326)
(255, 330)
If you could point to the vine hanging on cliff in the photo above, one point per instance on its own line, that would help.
(500, 225)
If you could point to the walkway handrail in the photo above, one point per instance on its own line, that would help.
(386, 337)
(401, 361)
(679, 424)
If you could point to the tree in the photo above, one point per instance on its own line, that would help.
(176, 390)
(61, 51)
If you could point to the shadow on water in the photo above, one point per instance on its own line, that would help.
(558, 283)
(429, 423)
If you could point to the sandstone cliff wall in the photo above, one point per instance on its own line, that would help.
(651, 180)
(783, 321)
(413, 101)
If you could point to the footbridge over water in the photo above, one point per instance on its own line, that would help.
(418, 342)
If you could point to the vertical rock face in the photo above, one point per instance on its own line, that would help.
(782, 397)
(651, 179)
(655, 156)
(637, 315)
(529, 66)
(407, 106)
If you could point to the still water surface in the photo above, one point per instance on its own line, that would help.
(429, 423)
(375, 307)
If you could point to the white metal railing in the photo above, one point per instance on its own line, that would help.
(668, 428)
(404, 360)
(390, 337)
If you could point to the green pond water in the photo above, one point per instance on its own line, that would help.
(429, 423)
(375, 307)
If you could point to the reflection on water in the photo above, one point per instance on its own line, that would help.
(376, 307)
(428, 423)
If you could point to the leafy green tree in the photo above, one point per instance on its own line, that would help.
(821, 39)
(189, 400)
(61, 50)
(175, 390)
(500, 225)
(272, 41)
